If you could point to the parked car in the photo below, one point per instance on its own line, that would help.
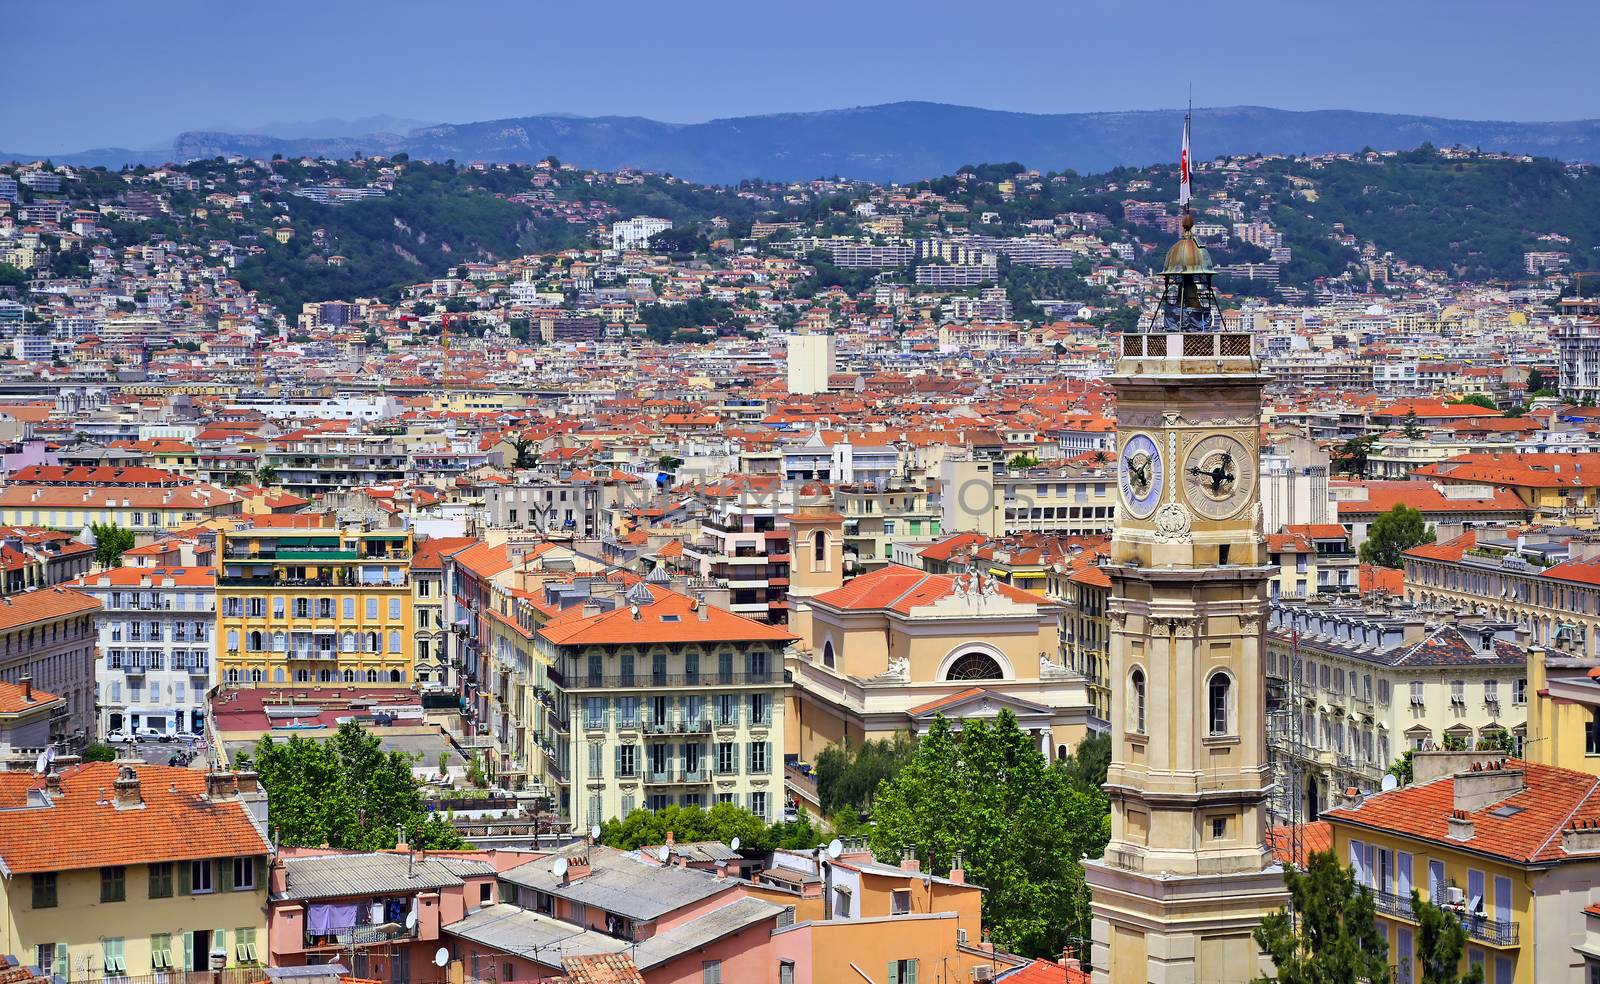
(150, 734)
(120, 738)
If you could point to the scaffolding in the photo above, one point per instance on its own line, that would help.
(1286, 757)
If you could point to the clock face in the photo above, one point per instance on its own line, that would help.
(1219, 475)
(1140, 475)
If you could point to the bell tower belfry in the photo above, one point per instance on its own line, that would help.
(1186, 876)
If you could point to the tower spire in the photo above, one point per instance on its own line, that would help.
(1183, 166)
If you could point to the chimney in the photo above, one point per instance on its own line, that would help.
(1413, 630)
(908, 860)
(126, 789)
(1486, 784)
(958, 871)
(248, 781)
(1581, 837)
(1352, 798)
(670, 840)
(27, 689)
(1460, 825)
(52, 783)
(221, 785)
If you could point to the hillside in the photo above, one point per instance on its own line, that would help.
(909, 141)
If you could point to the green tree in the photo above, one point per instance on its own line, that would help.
(99, 752)
(1088, 763)
(1404, 767)
(1410, 427)
(1455, 743)
(1020, 461)
(1332, 934)
(1537, 381)
(1440, 943)
(1021, 826)
(848, 775)
(1476, 400)
(266, 475)
(110, 542)
(526, 455)
(1392, 534)
(687, 824)
(1351, 456)
(346, 792)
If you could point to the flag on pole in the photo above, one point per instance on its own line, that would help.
(1183, 167)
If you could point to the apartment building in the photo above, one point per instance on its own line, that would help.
(155, 647)
(314, 606)
(979, 496)
(1350, 689)
(579, 506)
(431, 632)
(112, 870)
(36, 557)
(311, 464)
(876, 517)
(1559, 603)
(148, 512)
(1509, 848)
(675, 702)
(47, 638)
(744, 542)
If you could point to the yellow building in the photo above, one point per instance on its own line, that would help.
(1563, 711)
(1510, 848)
(314, 606)
(118, 871)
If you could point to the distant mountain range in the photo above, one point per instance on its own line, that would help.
(903, 141)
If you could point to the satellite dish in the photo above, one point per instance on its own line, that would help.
(561, 868)
(735, 844)
(594, 832)
(441, 957)
(663, 853)
(411, 919)
(835, 848)
(1389, 782)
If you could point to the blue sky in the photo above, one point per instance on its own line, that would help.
(99, 72)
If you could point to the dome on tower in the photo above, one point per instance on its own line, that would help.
(1186, 255)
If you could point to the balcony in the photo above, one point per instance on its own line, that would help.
(678, 777)
(364, 935)
(695, 726)
(1495, 932)
(1392, 904)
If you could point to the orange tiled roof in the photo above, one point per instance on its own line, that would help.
(901, 589)
(43, 605)
(671, 618)
(82, 828)
(14, 699)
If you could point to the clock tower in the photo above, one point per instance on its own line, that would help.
(1186, 876)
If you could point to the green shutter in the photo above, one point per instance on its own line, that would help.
(263, 873)
(911, 968)
(893, 976)
(63, 964)
(219, 942)
(222, 881)
(188, 938)
(184, 887)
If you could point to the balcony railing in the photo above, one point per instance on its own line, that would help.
(362, 935)
(582, 681)
(1497, 932)
(695, 726)
(1394, 905)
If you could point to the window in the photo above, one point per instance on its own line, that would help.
(760, 709)
(596, 766)
(727, 758)
(1491, 691)
(1219, 828)
(902, 972)
(244, 874)
(1591, 734)
(627, 764)
(1458, 691)
(1402, 956)
(900, 902)
(44, 890)
(113, 883)
(711, 972)
(758, 757)
(1218, 698)
(819, 549)
(758, 805)
(785, 969)
(111, 953)
(1136, 699)
(161, 880)
(974, 666)
(827, 660)
(1416, 693)
(1519, 691)
(199, 877)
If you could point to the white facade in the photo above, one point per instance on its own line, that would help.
(637, 231)
(155, 647)
(811, 361)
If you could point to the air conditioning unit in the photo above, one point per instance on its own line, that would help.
(1454, 896)
(983, 973)
(961, 936)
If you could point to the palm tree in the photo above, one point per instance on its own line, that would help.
(266, 475)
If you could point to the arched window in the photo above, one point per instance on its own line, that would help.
(302, 676)
(233, 676)
(395, 676)
(349, 676)
(277, 675)
(374, 643)
(1219, 701)
(827, 653)
(255, 676)
(255, 642)
(974, 666)
(1136, 700)
(819, 550)
(324, 676)
(372, 676)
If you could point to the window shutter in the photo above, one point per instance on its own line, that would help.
(63, 966)
(893, 976)
(616, 760)
(911, 971)
(184, 873)
(261, 873)
(222, 880)
(188, 943)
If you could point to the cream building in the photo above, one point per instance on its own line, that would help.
(891, 649)
(1186, 876)
(674, 702)
(980, 496)
(1369, 684)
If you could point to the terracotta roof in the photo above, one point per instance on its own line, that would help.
(1551, 801)
(135, 576)
(43, 605)
(900, 589)
(430, 553)
(1424, 496)
(82, 828)
(671, 618)
(1315, 837)
(1451, 550)
(1044, 972)
(1370, 577)
(14, 701)
(601, 968)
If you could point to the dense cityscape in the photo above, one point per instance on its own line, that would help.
(492, 571)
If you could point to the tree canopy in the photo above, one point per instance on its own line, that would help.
(110, 543)
(722, 822)
(1332, 933)
(1392, 534)
(848, 775)
(347, 793)
(1020, 825)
